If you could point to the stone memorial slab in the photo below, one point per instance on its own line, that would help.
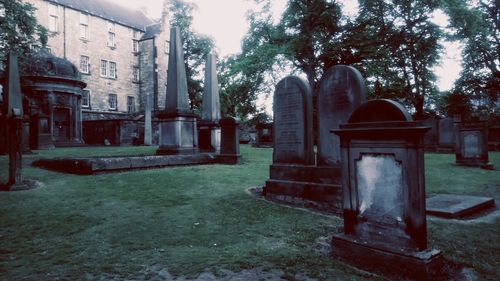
(342, 90)
(456, 206)
(472, 145)
(293, 138)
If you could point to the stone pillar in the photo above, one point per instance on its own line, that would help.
(147, 121)
(230, 141)
(210, 129)
(178, 131)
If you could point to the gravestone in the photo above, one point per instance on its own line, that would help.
(446, 135)
(209, 129)
(384, 193)
(455, 206)
(293, 176)
(177, 122)
(342, 89)
(293, 143)
(230, 144)
(148, 136)
(263, 135)
(472, 145)
(431, 137)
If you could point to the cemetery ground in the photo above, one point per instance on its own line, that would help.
(195, 221)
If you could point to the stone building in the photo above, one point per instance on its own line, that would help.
(121, 54)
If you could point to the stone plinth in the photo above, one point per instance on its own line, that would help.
(209, 136)
(472, 145)
(230, 145)
(178, 134)
(384, 193)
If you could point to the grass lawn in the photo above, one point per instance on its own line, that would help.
(192, 219)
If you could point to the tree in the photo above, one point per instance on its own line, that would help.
(196, 48)
(477, 24)
(19, 30)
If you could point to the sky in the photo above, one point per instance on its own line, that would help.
(225, 21)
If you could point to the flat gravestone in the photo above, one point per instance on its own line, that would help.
(293, 138)
(455, 206)
(342, 90)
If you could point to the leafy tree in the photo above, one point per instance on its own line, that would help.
(477, 24)
(19, 30)
(196, 48)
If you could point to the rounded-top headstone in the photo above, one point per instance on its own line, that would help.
(342, 89)
(292, 107)
(381, 110)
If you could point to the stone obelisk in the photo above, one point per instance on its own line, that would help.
(209, 128)
(177, 122)
(14, 114)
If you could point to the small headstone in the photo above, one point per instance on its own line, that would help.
(455, 206)
(446, 134)
(230, 144)
(293, 138)
(472, 144)
(342, 90)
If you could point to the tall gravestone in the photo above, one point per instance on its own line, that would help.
(292, 108)
(209, 129)
(148, 132)
(294, 177)
(177, 122)
(385, 226)
(230, 141)
(342, 90)
(14, 115)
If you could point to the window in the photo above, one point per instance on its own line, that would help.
(84, 26)
(136, 73)
(84, 64)
(86, 98)
(111, 34)
(131, 104)
(108, 69)
(53, 18)
(112, 69)
(112, 101)
(135, 41)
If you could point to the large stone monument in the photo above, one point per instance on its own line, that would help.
(385, 228)
(177, 122)
(342, 90)
(293, 174)
(209, 129)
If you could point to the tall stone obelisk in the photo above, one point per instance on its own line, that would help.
(14, 114)
(177, 122)
(209, 128)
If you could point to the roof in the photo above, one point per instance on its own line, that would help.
(110, 11)
(151, 31)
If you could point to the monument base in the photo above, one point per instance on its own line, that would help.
(229, 158)
(178, 135)
(307, 184)
(412, 265)
(484, 164)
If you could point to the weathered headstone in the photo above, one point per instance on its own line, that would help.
(293, 176)
(472, 145)
(148, 136)
(292, 107)
(431, 137)
(446, 135)
(263, 135)
(230, 144)
(178, 131)
(209, 126)
(384, 193)
(342, 90)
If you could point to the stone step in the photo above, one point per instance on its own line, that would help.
(301, 173)
(306, 190)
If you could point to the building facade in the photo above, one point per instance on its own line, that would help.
(122, 54)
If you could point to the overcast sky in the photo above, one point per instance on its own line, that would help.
(225, 21)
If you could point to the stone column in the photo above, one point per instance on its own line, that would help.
(147, 121)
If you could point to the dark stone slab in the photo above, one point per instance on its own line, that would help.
(293, 138)
(93, 165)
(327, 175)
(307, 190)
(342, 90)
(403, 265)
(472, 145)
(230, 145)
(456, 206)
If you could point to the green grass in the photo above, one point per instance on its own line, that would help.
(189, 219)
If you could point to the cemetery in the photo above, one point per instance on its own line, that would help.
(342, 184)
